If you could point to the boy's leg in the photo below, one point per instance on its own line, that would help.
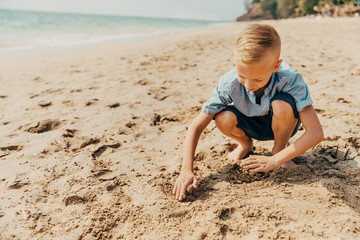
(226, 121)
(283, 124)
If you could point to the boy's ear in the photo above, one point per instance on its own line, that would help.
(277, 66)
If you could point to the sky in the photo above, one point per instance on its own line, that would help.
(223, 10)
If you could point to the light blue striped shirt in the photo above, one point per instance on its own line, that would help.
(229, 91)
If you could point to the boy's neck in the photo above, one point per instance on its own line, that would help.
(260, 92)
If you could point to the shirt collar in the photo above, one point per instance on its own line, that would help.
(267, 90)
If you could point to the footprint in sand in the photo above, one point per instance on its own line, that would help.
(327, 157)
(98, 152)
(225, 213)
(11, 148)
(4, 151)
(45, 126)
(69, 133)
(112, 185)
(17, 184)
(89, 142)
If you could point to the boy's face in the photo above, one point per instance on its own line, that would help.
(255, 76)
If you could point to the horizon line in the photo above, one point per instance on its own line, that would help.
(114, 15)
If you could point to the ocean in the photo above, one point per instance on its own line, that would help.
(25, 33)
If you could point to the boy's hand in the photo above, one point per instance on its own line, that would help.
(185, 178)
(258, 163)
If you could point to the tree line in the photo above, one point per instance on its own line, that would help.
(292, 8)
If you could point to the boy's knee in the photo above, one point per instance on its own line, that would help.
(225, 120)
(282, 110)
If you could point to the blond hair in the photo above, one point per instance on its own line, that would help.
(254, 41)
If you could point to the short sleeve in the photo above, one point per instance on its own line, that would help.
(299, 90)
(220, 97)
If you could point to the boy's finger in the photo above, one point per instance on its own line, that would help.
(177, 188)
(256, 170)
(195, 183)
(174, 189)
(178, 191)
(252, 166)
(182, 192)
(247, 162)
(182, 195)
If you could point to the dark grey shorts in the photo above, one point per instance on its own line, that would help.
(259, 128)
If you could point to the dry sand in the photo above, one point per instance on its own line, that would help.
(91, 142)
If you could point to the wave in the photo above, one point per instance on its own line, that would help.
(25, 31)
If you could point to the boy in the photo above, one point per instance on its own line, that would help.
(268, 100)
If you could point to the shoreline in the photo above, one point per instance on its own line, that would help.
(138, 41)
(92, 141)
(38, 51)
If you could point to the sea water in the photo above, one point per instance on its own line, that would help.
(25, 33)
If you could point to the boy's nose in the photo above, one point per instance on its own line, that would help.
(246, 83)
(249, 86)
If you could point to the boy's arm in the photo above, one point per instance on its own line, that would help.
(312, 136)
(187, 176)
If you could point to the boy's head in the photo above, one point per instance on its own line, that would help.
(257, 53)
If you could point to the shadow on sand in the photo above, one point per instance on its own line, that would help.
(333, 168)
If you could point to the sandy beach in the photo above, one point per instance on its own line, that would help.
(91, 142)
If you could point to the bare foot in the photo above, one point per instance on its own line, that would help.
(289, 164)
(240, 152)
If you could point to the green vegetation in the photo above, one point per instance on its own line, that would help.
(286, 8)
(270, 6)
(306, 6)
(291, 8)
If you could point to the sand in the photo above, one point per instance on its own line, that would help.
(91, 142)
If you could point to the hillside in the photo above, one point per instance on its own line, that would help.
(255, 13)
